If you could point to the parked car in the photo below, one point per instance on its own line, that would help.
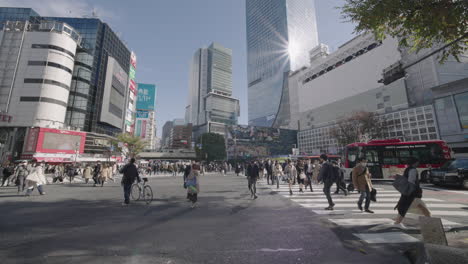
(453, 172)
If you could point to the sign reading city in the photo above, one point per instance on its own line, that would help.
(146, 96)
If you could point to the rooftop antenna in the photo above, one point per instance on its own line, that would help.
(94, 13)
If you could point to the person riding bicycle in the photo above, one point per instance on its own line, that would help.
(130, 174)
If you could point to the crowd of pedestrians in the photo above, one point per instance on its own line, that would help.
(304, 173)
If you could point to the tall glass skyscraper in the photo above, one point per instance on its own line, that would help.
(280, 34)
(210, 104)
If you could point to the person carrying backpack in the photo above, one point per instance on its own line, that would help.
(328, 176)
(411, 200)
(130, 174)
(362, 182)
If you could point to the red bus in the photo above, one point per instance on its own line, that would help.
(387, 158)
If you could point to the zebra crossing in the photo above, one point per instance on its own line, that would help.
(376, 228)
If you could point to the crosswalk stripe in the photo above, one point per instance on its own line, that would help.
(379, 221)
(361, 221)
(286, 194)
(387, 238)
(352, 199)
(379, 205)
(385, 212)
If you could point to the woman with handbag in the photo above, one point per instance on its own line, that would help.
(412, 200)
(362, 182)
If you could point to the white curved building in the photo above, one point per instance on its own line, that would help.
(36, 66)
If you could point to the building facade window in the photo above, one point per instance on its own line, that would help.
(47, 81)
(461, 101)
(42, 99)
(50, 64)
(45, 46)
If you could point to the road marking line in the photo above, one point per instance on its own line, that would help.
(381, 205)
(361, 221)
(352, 199)
(386, 238)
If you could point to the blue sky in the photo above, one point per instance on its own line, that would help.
(165, 35)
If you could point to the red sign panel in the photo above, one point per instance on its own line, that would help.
(5, 118)
(133, 86)
(31, 140)
(133, 59)
(52, 140)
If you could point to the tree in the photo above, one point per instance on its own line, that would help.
(417, 24)
(359, 127)
(213, 147)
(130, 145)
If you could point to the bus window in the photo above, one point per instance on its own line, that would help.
(389, 157)
(431, 154)
(352, 156)
(372, 156)
(403, 154)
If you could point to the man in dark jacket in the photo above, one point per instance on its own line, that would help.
(8, 170)
(130, 174)
(96, 172)
(269, 168)
(327, 176)
(252, 178)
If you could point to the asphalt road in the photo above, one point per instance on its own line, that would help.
(78, 223)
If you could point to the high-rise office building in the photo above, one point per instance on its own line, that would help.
(210, 103)
(280, 35)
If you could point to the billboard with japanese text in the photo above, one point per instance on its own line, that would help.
(146, 96)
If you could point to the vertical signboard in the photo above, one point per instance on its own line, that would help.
(146, 98)
(129, 124)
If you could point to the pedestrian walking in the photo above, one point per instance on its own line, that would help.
(21, 173)
(8, 170)
(130, 174)
(411, 201)
(193, 185)
(309, 171)
(252, 178)
(105, 174)
(291, 173)
(300, 175)
(87, 173)
(328, 177)
(317, 166)
(238, 169)
(36, 179)
(362, 182)
(70, 172)
(269, 168)
(277, 172)
(96, 173)
(340, 183)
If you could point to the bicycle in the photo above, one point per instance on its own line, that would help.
(142, 190)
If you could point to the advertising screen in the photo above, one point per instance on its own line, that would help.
(251, 141)
(60, 141)
(146, 96)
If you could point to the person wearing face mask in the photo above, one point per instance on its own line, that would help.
(362, 182)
